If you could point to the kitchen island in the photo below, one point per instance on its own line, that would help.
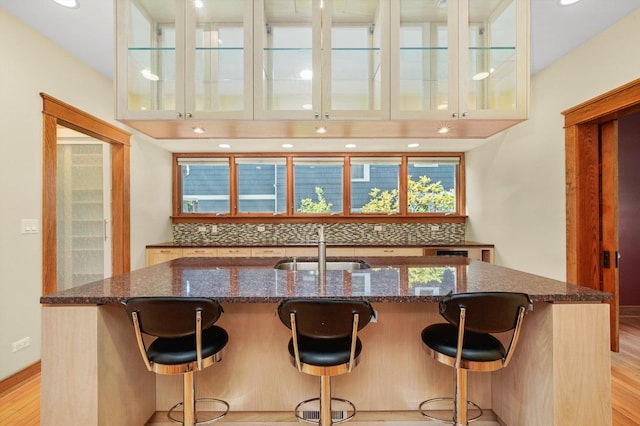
(92, 373)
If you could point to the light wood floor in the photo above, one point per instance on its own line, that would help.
(21, 405)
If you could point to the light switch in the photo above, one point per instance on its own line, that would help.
(30, 226)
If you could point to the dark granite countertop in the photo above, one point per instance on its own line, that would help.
(254, 280)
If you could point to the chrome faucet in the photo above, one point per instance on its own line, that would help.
(322, 254)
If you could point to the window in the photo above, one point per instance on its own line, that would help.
(262, 185)
(431, 184)
(317, 185)
(205, 185)
(379, 192)
(389, 186)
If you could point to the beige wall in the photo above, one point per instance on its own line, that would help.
(32, 64)
(515, 182)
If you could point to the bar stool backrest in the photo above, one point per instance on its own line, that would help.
(486, 312)
(171, 317)
(325, 318)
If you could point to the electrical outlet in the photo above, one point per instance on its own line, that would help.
(377, 228)
(21, 344)
(202, 229)
(434, 227)
(214, 229)
(261, 228)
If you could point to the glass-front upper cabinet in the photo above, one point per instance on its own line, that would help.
(424, 59)
(494, 59)
(321, 59)
(182, 59)
(459, 59)
(287, 59)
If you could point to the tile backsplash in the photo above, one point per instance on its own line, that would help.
(247, 234)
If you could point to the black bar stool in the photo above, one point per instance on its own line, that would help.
(187, 341)
(466, 342)
(324, 342)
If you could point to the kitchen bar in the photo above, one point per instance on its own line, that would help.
(92, 373)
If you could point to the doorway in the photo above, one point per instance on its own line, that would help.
(83, 209)
(66, 248)
(591, 155)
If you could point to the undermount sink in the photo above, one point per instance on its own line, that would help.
(312, 265)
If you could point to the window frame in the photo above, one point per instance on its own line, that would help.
(290, 215)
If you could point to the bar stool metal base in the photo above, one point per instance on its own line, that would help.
(203, 422)
(313, 416)
(423, 411)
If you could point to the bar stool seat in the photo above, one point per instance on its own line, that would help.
(186, 341)
(466, 342)
(324, 342)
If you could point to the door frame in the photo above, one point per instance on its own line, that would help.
(584, 187)
(54, 113)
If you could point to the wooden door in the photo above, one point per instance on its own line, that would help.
(609, 275)
(591, 149)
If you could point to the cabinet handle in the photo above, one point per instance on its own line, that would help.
(179, 114)
(389, 250)
(454, 115)
(189, 115)
(199, 251)
(317, 115)
(464, 114)
(326, 115)
(165, 251)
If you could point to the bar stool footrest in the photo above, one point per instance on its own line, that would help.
(423, 410)
(203, 422)
(313, 415)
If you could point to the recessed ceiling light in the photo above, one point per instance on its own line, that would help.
(350, 145)
(287, 145)
(321, 129)
(224, 145)
(149, 75)
(568, 2)
(71, 4)
(413, 145)
(198, 130)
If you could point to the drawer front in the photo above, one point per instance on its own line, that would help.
(389, 251)
(160, 255)
(200, 252)
(268, 252)
(234, 252)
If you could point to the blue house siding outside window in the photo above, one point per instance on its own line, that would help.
(262, 187)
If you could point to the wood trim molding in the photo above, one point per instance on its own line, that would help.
(84, 122)
(16, 379)
(608, 106)
(56, 112)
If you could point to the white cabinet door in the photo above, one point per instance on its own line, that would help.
(184, 59)
(355, 59)
(494, 59)
(459, 59)
(287, 71)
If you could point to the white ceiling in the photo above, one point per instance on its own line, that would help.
(88, 33)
